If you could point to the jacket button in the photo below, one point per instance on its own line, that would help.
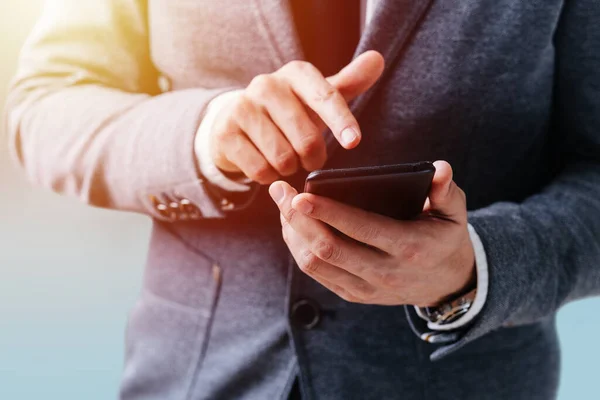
(305, 314)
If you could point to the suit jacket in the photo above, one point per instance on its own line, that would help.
(105, 107)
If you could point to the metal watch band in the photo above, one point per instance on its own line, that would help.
(451, 310)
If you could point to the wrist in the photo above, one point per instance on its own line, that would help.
(461, 276)
(481, 286)
(203, 148)
(468, 271)
(469, 285)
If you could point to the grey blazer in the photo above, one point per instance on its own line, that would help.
(105, 107)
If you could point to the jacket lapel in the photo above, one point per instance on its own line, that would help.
(389, 32)
(276, 22)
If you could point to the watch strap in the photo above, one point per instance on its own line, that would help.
(450, 310)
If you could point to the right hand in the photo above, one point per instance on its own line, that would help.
(276, 123)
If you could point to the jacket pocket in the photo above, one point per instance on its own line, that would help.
(169, 327)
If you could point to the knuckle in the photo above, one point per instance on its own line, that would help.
(299, 66)
(328, 93)
(243, 109)
(310, 262)
(326, 250)
(261, 85)
(388, 279)
(224, 134)
(364, 291)
(285, 162)
(289, 215)
(310, 145)
(261, 88)
(241, 104)
(301, 124)
(223, 125)
(349, 297)
(410, 251)
(261, 172)
(237, 146)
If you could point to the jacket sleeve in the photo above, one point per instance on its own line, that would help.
(545, 252)
(86, 117)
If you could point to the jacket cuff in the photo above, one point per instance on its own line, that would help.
(511, 282)
(178, 191)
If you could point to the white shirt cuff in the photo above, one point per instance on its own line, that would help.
(207, 167)
(482, 288)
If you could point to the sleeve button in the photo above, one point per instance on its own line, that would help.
(190, 210)
(226, 205)
(164, 211)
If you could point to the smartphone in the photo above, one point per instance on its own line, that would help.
(396, 191)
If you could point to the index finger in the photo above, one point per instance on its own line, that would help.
(307, 82)
(373, 229)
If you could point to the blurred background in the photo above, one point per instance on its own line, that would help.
(70, 273)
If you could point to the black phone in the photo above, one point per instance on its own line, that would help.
(397, 191)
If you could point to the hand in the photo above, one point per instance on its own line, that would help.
(418, 262)
(276, 123)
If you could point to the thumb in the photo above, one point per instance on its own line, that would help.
(446, 199)
(358, 76)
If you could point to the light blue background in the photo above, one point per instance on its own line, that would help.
(69, 274)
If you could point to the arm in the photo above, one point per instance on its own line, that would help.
(540, 254)
(86, 117)
(545, 252)
(481, 286)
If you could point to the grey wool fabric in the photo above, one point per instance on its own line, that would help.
(507, 91)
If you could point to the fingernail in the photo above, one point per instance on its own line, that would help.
(304, 206)
(277, 193)
(348, 136)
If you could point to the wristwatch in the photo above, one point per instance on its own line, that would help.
(450, 310)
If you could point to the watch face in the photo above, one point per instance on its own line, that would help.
(450, 311)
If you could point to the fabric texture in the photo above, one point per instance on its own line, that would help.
(108, 99)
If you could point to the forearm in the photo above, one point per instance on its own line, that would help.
(541, 253)
(86, 117)
(111, 148)
(545, 250)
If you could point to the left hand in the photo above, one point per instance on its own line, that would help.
(419, 262)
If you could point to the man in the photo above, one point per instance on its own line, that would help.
(200, 115)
